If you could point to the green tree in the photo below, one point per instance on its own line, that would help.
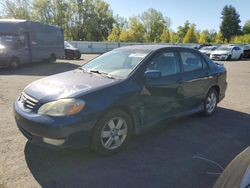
(230, 25)
(114, 36)
(19, 9)
(136, 30)
(154, 23)
(182, 31)
(165, 36)
(246, 27)
(190, 37)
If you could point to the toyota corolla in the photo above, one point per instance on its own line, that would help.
(117, 95)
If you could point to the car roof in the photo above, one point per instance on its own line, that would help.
(150, 48)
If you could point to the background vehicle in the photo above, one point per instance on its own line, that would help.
(118, 94)
(23, 41)
(207, 50)
(246, 49)
(71, 52)
(227, 52)
(237, 173)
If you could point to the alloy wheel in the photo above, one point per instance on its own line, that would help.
(114, 133)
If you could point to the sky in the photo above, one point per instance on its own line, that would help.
(204, 13)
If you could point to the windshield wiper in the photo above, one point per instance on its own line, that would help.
(102, 73)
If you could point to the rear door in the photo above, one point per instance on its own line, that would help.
(195, 79)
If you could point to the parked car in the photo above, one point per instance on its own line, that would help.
(71, 52)
(246, 49)
(117, 95)
(227, 52)
(23, 42)
(207, 50)
(237, 173)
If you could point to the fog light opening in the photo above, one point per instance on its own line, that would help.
(56, 142)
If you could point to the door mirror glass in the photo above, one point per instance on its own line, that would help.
(152, 74)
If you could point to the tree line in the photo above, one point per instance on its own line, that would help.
(93, 20)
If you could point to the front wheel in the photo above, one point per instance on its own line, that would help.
(229, 57)
(210, 103)
(112, 133)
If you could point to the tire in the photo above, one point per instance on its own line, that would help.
(210, 102)
(52, 59)
(14, 63)
(112, 133)
(78, 56)
(229, 57)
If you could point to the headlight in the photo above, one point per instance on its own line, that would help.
(63, 107)
(2, 49)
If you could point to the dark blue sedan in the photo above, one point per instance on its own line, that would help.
(117, 95)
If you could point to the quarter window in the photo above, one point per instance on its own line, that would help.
(191, 61)
(165, 62)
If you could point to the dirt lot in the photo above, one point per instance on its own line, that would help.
(175, 155)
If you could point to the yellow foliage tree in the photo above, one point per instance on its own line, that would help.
(190, 37)
(114, 36)
(219, 38)
(203, 38)
(124, 36)
(165, 36)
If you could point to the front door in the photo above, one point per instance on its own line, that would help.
(161, 97)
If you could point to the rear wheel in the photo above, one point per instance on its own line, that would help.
(210, 103)
(52, 58)
(14, 63)
(112, 133)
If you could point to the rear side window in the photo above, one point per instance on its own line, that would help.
(192, 61)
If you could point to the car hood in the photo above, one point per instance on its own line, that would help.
(205, 51)
(66, 85)
(220, 52)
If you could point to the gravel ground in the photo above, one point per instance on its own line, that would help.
(175, 155)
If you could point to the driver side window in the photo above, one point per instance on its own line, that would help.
(166, 62)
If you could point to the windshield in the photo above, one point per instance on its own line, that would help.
(11, 41)
(118, 64)
(207, 48)
(67, 45)
(224, 48)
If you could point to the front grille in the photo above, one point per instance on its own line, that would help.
(28, 102)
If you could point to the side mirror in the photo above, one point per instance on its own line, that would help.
(152, 74)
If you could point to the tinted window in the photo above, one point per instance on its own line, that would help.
(191, 61)
(165, 62)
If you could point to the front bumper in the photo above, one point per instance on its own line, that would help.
(75, 132)
(218, 57)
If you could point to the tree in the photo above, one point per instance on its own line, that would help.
(219, 38)
(173, 37)
(190, 37)
(19, 9)
(165, 36)
(230, 25)
(246, 27)
(124, 36)
(136, 30)
(114, 36)
(154, 23)
(203, 39)
(182, 31)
